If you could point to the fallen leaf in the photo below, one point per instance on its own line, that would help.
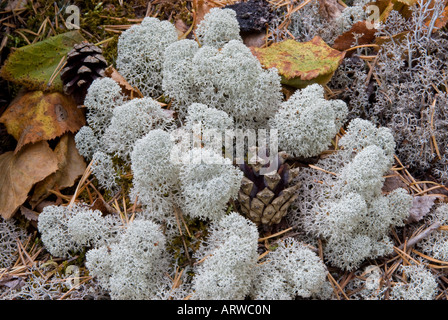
(11, 282)
(126, 88)
(71, 165)
(37, 116)
(21, 171)
(301, 63)
(421, 206)
(441, 20)
(104, 207)
(330, 9)
(33, 65)
(29, 214)
(254, 39)
(393, 182)
(347, 39)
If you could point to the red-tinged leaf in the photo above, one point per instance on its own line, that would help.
(347, 40)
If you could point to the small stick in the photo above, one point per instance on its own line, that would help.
(317, 168)
(274, 235)
(337, 286)
(421, 236)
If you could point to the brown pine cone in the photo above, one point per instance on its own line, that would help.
(85, 63)
(265, 199)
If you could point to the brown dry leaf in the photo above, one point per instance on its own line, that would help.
(104, 207)
(347, 39)
(71, 165)
(126, 88)
(393, 182)
(421, 206)
(21, 171)
(330, 9)
(254, 39)
(29, 214)
(37, 116)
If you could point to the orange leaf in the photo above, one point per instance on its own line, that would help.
(126, 88)
(37, 116)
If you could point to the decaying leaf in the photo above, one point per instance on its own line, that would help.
(421, 206)
(29, 214)
(126, 88)
(301, 63)
(37, 116)
(330, 9)
(71, 165)
(104, 207)
(33, 65)
(347, 39)
(20, 171)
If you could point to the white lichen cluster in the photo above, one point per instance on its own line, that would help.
(131, 121)
(230, 79)
(420, 285)
(208, 181)
(436, 244)
(133, 268)
(307, 122)
(66, 230)
(103, 95)
(141, 49)
(218, 27)
(344, 204)
(229, 260)
(199, 181)
(289, 271)
(114, 125)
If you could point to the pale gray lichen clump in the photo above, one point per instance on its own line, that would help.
(208, 182)
(421, 284)
(230, 257)
(133, 268)
(218, 27)
(230, 79)
(141, 54)
(207, 118)
(65, 230)
(344, 204)
(86, 142)
(131, 121)
(307, 122)
(104, 170)
(155, 176)
(102, 97)
(291, 270)
(436, 244)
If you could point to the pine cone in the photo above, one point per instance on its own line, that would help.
(85, 63)
(265, 199)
